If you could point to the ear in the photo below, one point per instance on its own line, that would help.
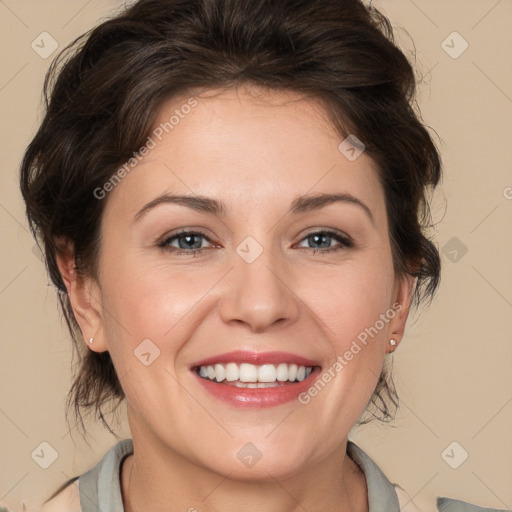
(84, 296)
(402, 295)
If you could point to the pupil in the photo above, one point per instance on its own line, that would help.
(316, 237)
(188, 241)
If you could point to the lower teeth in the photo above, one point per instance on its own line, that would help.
(239, 384)
(252, 385)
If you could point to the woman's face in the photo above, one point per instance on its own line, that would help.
(269, 280)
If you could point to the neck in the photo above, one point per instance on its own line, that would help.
(158, 478)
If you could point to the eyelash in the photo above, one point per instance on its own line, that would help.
(345, 242)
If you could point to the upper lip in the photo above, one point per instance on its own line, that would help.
(256, 358)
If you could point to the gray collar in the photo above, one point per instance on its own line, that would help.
(382, 496)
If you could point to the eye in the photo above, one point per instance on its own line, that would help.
(323, 239)
(189, 241)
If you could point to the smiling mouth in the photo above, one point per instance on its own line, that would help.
(247, 375)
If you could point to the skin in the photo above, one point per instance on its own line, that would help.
(256, 150)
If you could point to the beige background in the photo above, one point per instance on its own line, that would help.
(453, 371)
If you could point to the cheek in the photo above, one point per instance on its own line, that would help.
(350, 299)
(351, 308)
(152, 301)
(349, 304)
(147, 324)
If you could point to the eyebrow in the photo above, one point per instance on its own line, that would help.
(205, 204)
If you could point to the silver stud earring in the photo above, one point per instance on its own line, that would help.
(392, 342)
(91, 340)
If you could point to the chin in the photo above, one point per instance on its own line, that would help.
(248, 463)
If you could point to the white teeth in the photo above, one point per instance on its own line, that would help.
(267, 373)
(253, 385)
(252, 376)
(232, 372)
(292, 372)
(282, 372)
(248, 373)
(220, 372)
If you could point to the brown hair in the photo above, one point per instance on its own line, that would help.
(104, 90)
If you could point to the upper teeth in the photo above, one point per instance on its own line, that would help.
(247, 372)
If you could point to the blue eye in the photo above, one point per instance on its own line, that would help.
(323, 238)
(187, 240)
(190, 242)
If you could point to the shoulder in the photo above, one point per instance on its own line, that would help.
(452, 505)
(66, 500)
(442, 504)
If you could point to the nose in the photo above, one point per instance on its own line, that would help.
(260, 295)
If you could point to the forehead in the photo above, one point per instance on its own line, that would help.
(248, 145)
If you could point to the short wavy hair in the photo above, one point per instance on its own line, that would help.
(103, 92)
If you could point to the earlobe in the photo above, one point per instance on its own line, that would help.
(83, 295)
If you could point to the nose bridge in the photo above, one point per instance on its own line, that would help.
(258, 293)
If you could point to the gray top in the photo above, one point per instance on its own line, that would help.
(100, 489)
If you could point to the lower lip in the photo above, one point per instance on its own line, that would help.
(258, 397)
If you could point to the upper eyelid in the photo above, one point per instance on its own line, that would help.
(331, 231)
